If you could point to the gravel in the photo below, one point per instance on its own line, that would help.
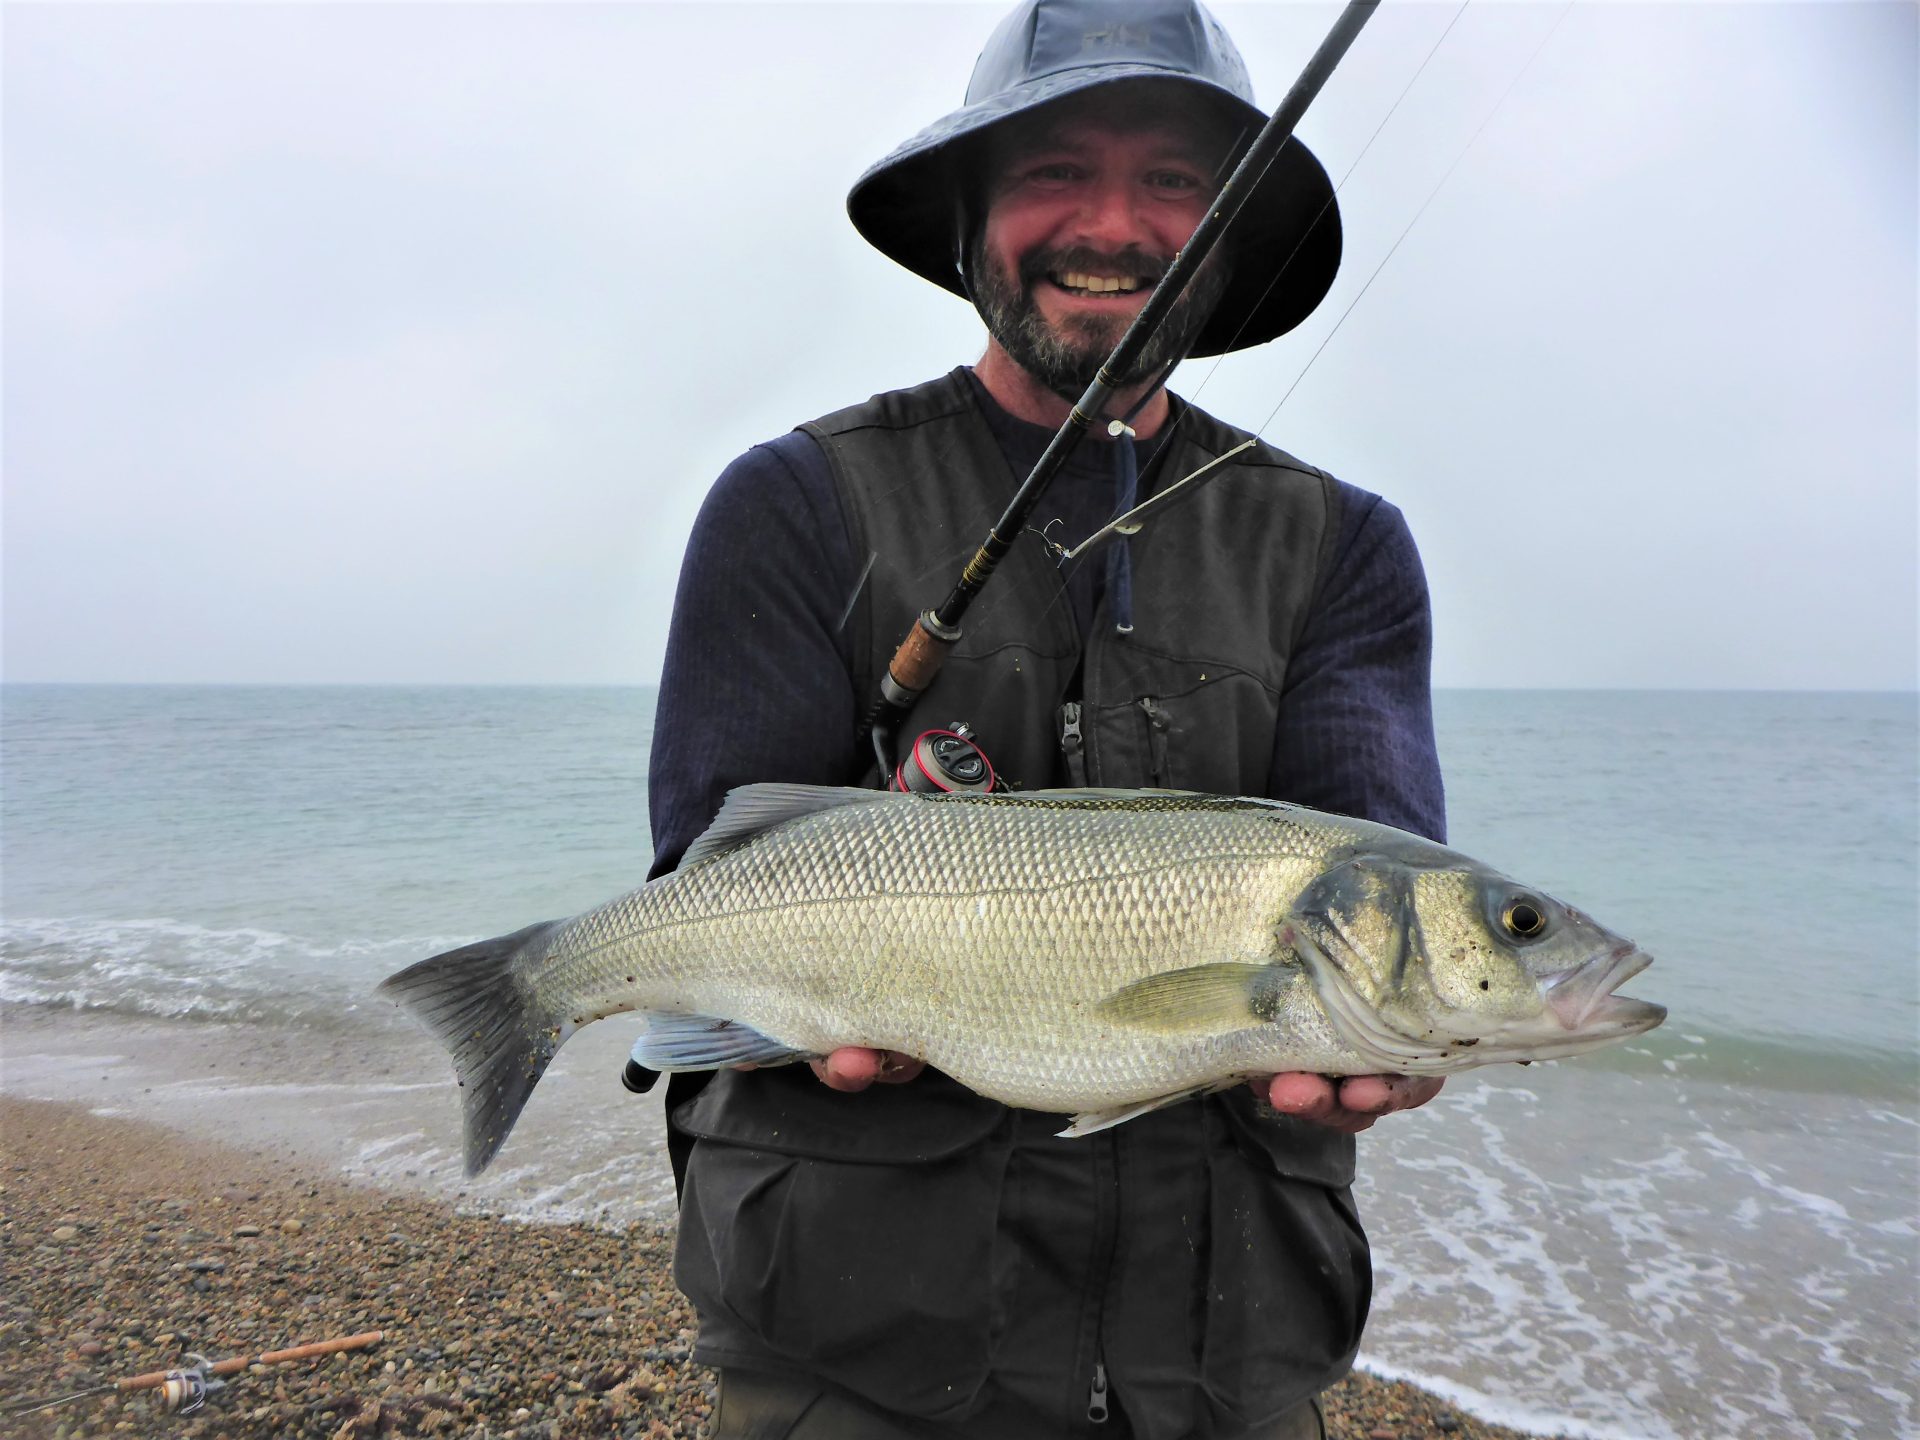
(127, 1247)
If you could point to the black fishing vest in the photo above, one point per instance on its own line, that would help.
(1221, 586)
(930, 1249)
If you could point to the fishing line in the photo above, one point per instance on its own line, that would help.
(1471, 141)
(1331, 200)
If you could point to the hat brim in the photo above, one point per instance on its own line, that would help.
(1283, 247)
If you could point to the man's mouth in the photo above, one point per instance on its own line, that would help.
(1076, 282)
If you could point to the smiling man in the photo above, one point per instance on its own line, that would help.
(906, 1258)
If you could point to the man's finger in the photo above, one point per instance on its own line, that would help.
(897, 1069)
(1309, 1097)
(853, 1068)
(1384, 1094)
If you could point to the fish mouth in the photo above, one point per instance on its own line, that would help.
(1582, 998)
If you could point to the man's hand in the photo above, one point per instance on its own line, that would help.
(1350, 1103)
(852, 1068)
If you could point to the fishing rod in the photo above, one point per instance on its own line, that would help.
(185, 1390)
(936, 631)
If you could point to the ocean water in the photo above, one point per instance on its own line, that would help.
(1714, 1231)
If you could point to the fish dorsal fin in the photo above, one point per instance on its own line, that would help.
(1093, 797)
(1226, 995)
(751, 809)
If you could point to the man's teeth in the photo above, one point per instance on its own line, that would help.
(1099, 284)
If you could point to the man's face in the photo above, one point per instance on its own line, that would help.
(1084, 214)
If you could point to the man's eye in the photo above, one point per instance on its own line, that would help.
(1173, 180)
(1057, 171)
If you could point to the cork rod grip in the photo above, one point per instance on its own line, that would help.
(920, 657)
(272, 1357)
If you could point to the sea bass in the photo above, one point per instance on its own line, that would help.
(1092, 952)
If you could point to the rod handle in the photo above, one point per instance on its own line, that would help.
(272, 1357)
(919, 658)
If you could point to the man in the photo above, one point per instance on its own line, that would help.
(907, 1258)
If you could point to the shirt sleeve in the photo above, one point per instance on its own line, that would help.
(757, 681)
(1355, 735)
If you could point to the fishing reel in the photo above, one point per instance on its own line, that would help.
(945, 762)
(185, 1390)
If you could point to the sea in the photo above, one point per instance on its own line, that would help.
(1713, 1231)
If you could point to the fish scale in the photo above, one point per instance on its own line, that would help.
(1082, 952)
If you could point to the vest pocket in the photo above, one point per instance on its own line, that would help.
(861, 1249)
(1290, 1278)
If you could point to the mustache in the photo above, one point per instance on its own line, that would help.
(1086, 260)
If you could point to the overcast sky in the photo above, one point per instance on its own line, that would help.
(371, 343)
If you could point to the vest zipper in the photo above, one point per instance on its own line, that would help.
(1097, 1396)
(1159, 723)
(1106, 1245)
(1072, 746)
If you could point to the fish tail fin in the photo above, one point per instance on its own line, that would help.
(478, 1002)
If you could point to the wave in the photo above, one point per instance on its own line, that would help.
(1801, 1065)
(165, 968)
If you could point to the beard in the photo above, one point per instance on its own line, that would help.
(1067, 358)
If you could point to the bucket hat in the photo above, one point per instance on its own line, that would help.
(908, 205)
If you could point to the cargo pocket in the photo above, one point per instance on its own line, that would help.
(849, 1236)
(1289, 1277)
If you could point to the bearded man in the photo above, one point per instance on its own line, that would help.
(907, 1258)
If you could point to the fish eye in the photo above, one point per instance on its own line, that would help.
(1523, 919)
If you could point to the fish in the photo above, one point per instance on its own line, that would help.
(1093, 953)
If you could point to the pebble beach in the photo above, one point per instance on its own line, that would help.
(127, 1246)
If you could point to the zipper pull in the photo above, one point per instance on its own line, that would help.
(1097, 1397)
(1072, 746)
(1159, 723)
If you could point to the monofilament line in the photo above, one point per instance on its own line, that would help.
(1471, 141)
(1332, 199)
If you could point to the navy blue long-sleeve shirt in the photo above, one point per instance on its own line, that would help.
(757, 682)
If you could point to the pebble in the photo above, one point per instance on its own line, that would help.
(64, 1233)
(245, 1232)
(480, 1342)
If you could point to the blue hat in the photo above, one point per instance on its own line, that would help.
(908, 206)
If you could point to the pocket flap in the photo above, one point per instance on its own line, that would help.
(789, 1112)
(1297, 1149)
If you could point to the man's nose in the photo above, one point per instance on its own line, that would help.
(1109, 216)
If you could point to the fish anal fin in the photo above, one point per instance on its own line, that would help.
(1224, 995)
(705, 1042)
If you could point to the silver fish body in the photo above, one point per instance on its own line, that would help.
(1096, 953)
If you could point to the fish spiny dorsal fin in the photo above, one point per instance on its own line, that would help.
(751, 810)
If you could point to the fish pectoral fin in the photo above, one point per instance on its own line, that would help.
(705, 1042)
(1220, 996)
(1090, 1122)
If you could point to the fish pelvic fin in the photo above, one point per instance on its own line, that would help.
(706, 1042)
(1092, 1122)
(478, 1002)
(1226, 995)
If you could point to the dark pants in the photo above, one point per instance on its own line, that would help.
(756, 1406)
